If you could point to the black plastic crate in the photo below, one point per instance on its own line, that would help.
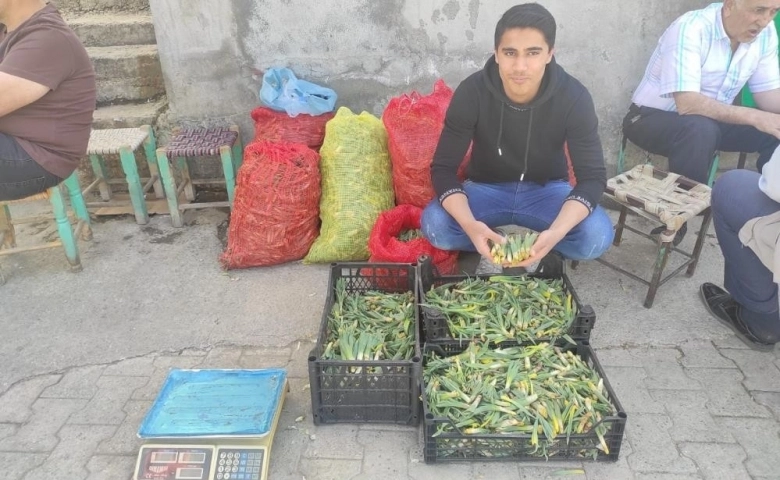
(458, 447)
(435, 326)
(384, 391)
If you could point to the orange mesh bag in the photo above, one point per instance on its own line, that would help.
(279, 127)
(414, 125)
(275, 215)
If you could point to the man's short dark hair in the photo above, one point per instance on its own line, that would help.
(527, 15)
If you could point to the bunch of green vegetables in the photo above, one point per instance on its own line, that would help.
(409, 235)
(544, 394)
(504, 308)
(370, 326)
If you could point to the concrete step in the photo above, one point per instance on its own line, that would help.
(128, 116)
(105, 30)
(130, 74)
(101, 6)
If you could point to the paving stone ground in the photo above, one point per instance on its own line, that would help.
(81, 424)
(73, 391)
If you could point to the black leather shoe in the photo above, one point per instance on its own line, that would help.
(726, 310)
(678, 237)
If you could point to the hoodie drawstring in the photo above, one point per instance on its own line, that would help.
(527, 144)
(527, 138)
(500, 130)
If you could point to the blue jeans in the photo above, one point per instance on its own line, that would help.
(736, 199)
(526, 204)
(20, 175)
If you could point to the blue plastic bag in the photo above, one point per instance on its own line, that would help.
(283, 92)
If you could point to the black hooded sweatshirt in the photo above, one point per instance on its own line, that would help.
(521, 142)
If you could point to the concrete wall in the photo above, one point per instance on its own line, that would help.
(213, 51)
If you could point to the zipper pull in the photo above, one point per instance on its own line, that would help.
(499, 152)
(522, 176)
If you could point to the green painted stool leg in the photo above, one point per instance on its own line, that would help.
(230, 173)
(713, 169)
(7, 228)
(78, 205)
(99, 169)
(621, 163)
(150, 147)
(169, 183)
(238, 150)
(64, 228)
(134, 185)
(184, 169)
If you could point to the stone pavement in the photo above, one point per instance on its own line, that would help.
(77, 377)
(702, 410)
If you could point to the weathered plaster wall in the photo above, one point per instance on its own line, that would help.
(213, 51)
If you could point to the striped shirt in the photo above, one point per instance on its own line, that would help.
(694, 55)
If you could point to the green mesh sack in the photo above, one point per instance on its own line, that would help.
(357, 185)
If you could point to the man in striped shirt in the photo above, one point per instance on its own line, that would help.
(683, 108)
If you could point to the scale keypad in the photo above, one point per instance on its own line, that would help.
(239, 464)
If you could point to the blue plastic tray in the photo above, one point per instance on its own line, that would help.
(215, 403)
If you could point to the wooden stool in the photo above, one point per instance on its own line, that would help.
(665, 197)
(67, 233)
(198, 142)
(124, 141)
(714, 164)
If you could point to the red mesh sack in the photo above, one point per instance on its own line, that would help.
(275, 216)
(279, 127)
(414, 124)
(384, 245)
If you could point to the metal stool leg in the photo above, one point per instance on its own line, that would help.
(620, 225)
(705, 225)
(150, 147)
(742, 160)
(664, 248)
(65, 229)
(169, 183)
(99, 169)
(137, 196)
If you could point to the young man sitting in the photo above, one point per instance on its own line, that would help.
(519, 111)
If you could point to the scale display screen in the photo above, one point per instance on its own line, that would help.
(202, 462)
(164, 457)
(189, 474)
(186, 462)
(192, 457)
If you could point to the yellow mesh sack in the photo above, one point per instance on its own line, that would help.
(357, 185)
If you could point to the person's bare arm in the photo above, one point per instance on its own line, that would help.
(694, 103)
(457, 206)
(768, 101)
(17, 92)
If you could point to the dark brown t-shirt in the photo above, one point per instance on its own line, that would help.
(54, 129)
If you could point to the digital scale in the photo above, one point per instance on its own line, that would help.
(212, 425)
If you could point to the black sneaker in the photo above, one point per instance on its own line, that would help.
(678, 236)
(726, 310)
